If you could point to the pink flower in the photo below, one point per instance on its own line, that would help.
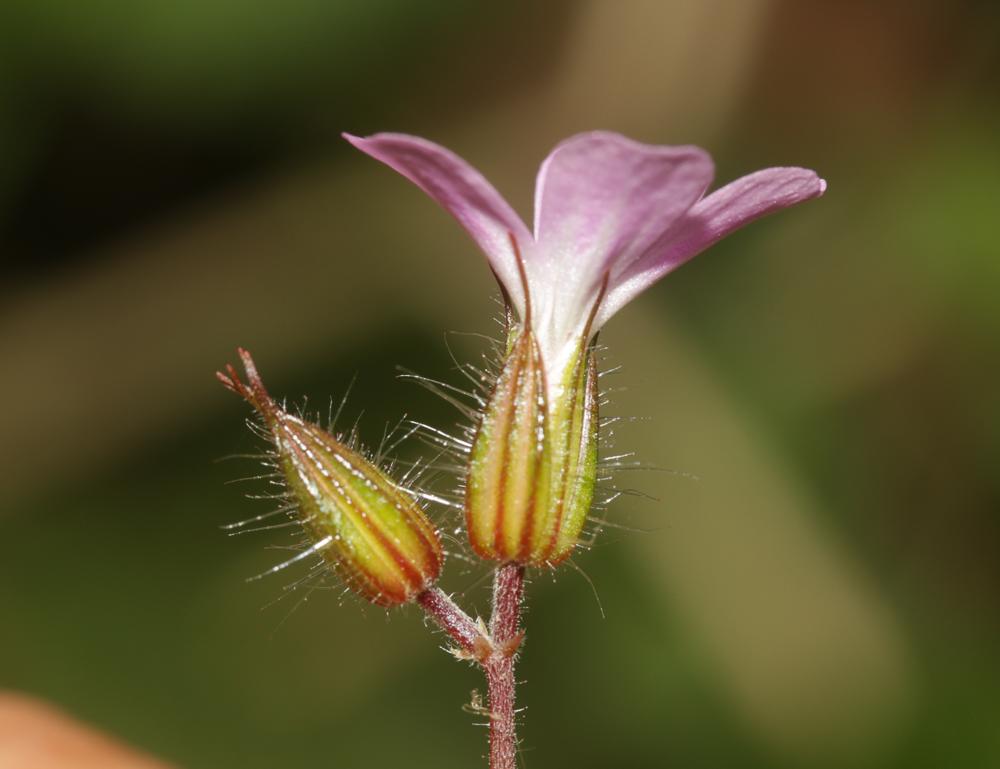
(606, 207)
(612, 217)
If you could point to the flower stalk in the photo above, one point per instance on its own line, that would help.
(470, 637)
(494, 649)
(508, 593)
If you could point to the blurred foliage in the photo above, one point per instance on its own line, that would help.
(172, 185)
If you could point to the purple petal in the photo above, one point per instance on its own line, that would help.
(602, 199)
(463, 192)
(708, 221)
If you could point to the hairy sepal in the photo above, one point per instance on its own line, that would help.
(533, 463)
(372, 533)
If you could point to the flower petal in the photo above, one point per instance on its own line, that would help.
(708, 221)
(463, 192)
(602, 199)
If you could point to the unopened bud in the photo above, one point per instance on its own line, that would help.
(533, 463)
(373, 534)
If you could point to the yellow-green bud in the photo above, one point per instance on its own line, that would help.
(533, 463)
(375, 536)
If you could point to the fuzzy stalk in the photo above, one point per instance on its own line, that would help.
(508, 590)
(495, 650)
(458, 625)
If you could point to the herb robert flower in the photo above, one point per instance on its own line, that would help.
(375, 536)
(612, 217)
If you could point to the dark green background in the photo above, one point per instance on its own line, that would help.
(172, 185)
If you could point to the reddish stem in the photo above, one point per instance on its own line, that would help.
(496, 652)
(508, 590)
(459, 626)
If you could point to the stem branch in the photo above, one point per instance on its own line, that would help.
(496, 652)
(459, 626)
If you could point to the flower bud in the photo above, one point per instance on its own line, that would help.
(533, 462)
(375, 536)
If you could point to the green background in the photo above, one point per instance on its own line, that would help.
(815, 584)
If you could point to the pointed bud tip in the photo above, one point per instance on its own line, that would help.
(254, 391)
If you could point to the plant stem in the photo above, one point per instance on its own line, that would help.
(459, 626)
(508, 590)
(496, 652)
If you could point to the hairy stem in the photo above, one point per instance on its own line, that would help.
(495, 651)
(459, 626)
(508, 590)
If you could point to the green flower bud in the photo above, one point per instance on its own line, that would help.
(374, 535)
(533, 463)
